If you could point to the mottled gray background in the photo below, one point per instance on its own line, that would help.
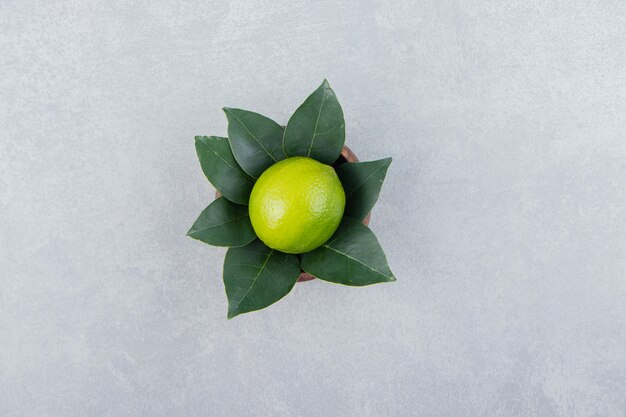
(503, 215)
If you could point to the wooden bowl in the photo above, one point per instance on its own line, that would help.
(346, 156)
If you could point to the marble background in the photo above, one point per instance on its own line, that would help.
(503, 214)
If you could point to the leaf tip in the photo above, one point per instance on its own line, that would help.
(190, 233)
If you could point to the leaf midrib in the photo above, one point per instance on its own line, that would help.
(365, 180)
(220, 224)
(317, 121)
(261, 269)
(251, 134)
(357, 261)
(213, 151)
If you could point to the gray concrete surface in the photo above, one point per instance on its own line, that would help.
(503, 215)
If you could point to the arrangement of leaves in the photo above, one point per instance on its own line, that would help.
(255, 275)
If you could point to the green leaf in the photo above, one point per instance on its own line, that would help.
(220, 167)
(256, 276)
(362, 182)
(223, 223)
(256, 140)
(352, 256)
(316, 129)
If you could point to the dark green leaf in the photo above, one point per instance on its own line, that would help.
(362, 182)
(256, 276)
(220, 167)
(256, 140)
(223, 223)
(352, 256)
(317, 128)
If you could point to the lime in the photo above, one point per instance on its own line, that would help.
(296, 205)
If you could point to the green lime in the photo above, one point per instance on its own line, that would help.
(297, 204)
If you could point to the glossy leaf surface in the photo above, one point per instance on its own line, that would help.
(256, 140)
(221, 169)
(362, 182)
(223, 223)
(256, 276)
(317, 128)
(352, 256)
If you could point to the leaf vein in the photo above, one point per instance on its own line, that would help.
(357, 261)
(255, 138)
(364, 181)
(221, 224)
(319, 112)
(324, 133)
(255, 279)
